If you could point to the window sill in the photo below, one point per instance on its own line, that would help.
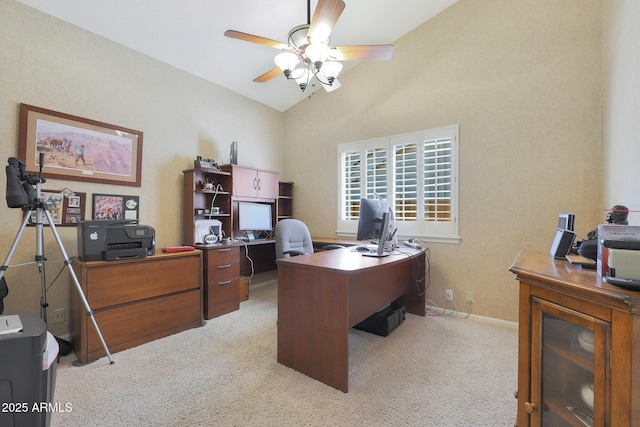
(454, 240)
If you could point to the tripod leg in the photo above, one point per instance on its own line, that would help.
(40, 260)
(15, 244)
(77, 283)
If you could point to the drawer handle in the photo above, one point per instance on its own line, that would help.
(220, 267)
(226, 282)
(224, 250)
(530, 408)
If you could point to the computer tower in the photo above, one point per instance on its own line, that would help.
(385, 321)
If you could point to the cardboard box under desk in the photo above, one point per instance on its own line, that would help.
(244, 288)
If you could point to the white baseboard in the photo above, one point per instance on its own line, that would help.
(462, 315)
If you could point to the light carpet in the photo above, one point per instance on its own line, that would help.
(431, 371)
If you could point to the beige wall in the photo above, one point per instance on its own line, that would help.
(48, 63)
(522, 79)
(621, 92)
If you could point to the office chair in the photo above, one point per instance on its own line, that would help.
(293, 238)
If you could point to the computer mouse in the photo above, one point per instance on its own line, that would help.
(362, 248)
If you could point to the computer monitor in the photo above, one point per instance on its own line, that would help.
(254, 217)
(371, 219)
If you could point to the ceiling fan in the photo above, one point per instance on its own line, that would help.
(308, 54)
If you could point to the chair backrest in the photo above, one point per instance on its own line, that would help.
(292, 235)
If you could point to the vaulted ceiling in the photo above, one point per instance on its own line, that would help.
(189, 34)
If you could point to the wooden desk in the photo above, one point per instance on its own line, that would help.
(322, 295)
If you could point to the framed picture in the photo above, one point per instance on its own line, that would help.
(66, 208)
(113, 206)
(78, 149)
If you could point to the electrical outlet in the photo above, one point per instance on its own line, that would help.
(448, 295)
(59, 315)
(469, 297)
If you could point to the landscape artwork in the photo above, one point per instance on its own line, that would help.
(78, 149)
(68, 147)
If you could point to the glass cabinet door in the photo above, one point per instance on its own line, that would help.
(569, 360)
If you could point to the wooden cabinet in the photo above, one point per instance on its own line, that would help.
(285, 200)
(135, 301)
(252, 183)
(221, 280)
(578, 350)
(200, 202)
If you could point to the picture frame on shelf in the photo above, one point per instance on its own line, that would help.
(115, 206)
(79, 149)
(66, 207)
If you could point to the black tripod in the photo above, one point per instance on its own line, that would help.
(37, 205)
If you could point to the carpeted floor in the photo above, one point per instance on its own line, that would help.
(431, 371)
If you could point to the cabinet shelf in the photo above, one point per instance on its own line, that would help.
(560, 407)
(577, 357)
(219, 193)
(285, 200)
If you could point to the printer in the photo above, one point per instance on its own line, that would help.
(114, 239)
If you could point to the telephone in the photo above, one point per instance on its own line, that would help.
(204, 164)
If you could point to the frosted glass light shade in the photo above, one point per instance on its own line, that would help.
(317, 53)
(286, 61)
(331, 69)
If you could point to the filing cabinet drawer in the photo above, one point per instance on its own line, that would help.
(219, 256)
(221, 281)
(222, 297)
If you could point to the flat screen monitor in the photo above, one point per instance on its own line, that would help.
(254, 216)
(371, 219)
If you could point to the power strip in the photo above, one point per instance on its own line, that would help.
(412, 244)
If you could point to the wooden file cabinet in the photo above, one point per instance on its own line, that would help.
(221, 280)
(135, 301)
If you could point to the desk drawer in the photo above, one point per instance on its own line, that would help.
(223, 272)
(221, 297)
(221, 256)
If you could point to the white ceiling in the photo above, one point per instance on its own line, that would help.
(188, 34)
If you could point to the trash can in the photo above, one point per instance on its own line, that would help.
(27, 374)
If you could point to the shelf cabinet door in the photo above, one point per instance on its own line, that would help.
(569, 365)
(254, 183)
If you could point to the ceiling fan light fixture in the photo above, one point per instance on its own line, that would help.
(331, 69)
(303, 76)
(287, 61)
(317, 53)
(298, 36)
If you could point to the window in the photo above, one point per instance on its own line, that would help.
(417, 173)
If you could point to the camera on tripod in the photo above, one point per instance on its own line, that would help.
(20, 191)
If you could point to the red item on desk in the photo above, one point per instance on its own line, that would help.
(170, 249)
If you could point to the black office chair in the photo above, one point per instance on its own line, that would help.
(293, 238)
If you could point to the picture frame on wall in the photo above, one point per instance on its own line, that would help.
(115, 206)
(78, 149)
(66, 207)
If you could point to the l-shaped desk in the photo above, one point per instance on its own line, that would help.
(322, 295)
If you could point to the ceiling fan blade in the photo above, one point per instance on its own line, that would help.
(256, 39)
(324, 18)
(274, 72)
(381, 52)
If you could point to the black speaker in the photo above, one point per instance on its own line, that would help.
(562, 243)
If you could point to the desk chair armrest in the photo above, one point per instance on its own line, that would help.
(294, 252)
(329, 247)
